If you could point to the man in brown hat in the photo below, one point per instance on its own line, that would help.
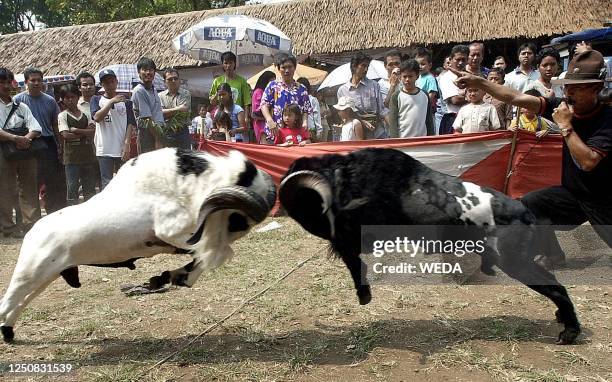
(585, 193)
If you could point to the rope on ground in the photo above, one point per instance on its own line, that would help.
(232, 313)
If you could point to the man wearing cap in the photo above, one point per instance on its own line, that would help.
(114, 123)
(585, 193)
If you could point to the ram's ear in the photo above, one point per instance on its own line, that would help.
(307, 197)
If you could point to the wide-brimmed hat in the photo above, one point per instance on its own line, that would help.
(345, 103)
(586, 67)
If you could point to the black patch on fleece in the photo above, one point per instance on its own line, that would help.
(246, 177)
(189, 162)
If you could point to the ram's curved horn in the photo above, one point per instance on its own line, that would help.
(237, 198)
(317, 219)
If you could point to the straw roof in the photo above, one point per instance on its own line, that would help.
(315, 26)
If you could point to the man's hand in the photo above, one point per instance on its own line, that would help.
(394, 79)
(22, 143)
(126, 151)
(541, 133)
(367, 125)
(582, 47)
(466, 80)
(118, 98)
(562, 115)
(272, 126)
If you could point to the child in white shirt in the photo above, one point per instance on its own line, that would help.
(476, 116)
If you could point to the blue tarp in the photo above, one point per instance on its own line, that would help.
(585, 35)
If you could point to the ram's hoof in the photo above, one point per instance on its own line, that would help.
(365, 296)
(568, 336)
(7, 333)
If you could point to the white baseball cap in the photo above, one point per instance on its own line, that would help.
(345, 103)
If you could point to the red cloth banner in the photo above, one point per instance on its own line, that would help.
(481, 158)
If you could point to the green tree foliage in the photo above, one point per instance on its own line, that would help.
(20, 15)
(99, 11)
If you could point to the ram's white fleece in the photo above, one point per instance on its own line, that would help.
(148, 200)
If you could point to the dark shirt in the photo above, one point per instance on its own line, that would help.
(595, 130)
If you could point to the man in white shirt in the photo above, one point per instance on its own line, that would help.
(17, 176)
(524, 74)
(115, 121)
(453, 97)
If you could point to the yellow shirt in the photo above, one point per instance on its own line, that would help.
(530, 125)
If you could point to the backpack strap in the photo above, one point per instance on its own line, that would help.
(10, 114)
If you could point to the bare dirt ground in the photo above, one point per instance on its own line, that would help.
(310, 327)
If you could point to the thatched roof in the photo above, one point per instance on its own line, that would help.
(315, 26)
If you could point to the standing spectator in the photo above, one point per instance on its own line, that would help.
(477, 116)
(410, 110)
(236, 112)
(504, 110)
(18, 178)
(585, 191)
(50, 168)
(524, 74)
(441, 105)
(453, 97)
(292, 132)
(115, 122)
(259, 122)
(176, 107)
(87, 86)
(325, 114)
(281, 92)
(352, 128)
(77, 130)
(500, 63)
(148, 109)
(315, 129)
(426, 81)
(548, 63)
(366, 97)
(475, 57)
(203, 123)
(241, 91)
(393, 60)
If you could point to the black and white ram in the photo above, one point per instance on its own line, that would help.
(333, 196)
(166, 201)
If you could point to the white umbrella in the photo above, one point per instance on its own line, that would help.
(127, 76)
(253, 41)
(342, 74)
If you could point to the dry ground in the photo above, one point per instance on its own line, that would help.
(308, 328)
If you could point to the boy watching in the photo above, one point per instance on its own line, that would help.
(147, 108)
(504, 110)
(477, 116)
(114, 123)
(426, 80)
(410, 112)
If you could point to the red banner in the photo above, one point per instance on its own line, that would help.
(481, 158)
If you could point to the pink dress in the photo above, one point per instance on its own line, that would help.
(258, 126)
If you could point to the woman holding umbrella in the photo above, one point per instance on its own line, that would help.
(283, 92)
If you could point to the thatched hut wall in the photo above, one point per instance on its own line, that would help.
(315, 26)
